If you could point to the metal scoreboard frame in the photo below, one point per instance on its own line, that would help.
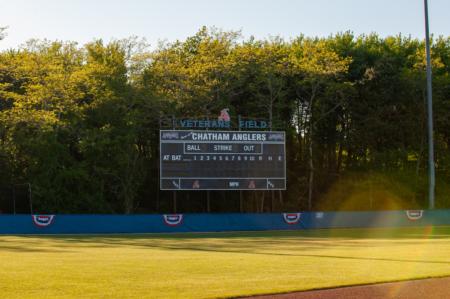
(187, 182)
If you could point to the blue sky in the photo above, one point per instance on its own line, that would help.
(84, 20)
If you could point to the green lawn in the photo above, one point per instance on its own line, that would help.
(216, 265)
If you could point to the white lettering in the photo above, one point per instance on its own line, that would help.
(220, 147)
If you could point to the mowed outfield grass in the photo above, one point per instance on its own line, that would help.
(217, 264)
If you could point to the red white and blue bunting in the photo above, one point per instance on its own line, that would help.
(43, 220)
(173, 219)
(414, 215)
(291, 218)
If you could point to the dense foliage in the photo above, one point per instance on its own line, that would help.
(80, 124)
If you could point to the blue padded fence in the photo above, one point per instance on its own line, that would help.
(176, 223)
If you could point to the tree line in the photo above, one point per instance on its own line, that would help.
(80, 124)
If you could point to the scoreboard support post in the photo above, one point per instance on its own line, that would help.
(174, 202)
(241, 202)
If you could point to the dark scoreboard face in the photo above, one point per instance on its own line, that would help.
(222, 160)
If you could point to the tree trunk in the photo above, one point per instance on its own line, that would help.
(300, 128)
(311, 162)
(311, 175)
(339, 158)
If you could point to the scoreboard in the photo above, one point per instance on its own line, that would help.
(222, 160)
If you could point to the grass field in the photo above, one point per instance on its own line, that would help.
(216, 265)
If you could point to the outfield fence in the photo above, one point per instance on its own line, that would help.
(177, 223)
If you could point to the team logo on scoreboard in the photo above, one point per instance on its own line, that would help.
(224, 115)
(251, 184)
(170, 135)
(196, 184)
(275, 137)
(414, 215)
(173, 219)
(42, 220)
(291, 218)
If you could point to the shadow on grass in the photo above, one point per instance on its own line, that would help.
(440, 232)
(23, 249)
(280, 243)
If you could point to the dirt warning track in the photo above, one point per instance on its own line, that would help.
(433, 288)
